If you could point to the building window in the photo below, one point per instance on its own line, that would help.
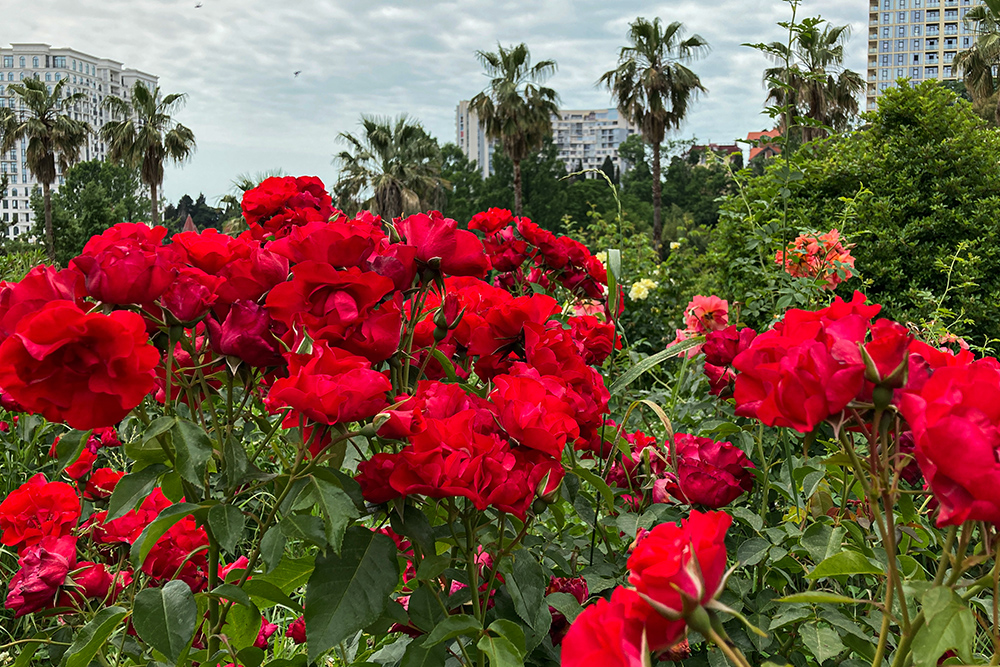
(885, 18)
(885, 31)
(8, 61)
(901, 17)
(23, 61)
(34, 61)
(48, 76)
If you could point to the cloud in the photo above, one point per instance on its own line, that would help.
(236, 58)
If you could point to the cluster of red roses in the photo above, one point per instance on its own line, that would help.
(822, 256)
(815, 366)
(695, 471)
(504, 449)
(511, 243)
(674, 571)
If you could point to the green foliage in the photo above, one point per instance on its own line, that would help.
(203, 214)
(930, 166)
(95, 196)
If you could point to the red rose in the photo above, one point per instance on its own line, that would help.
(886, 351)
(329, 386)
(534, 412)
(806, 369)
(191, 295)
(92, 580)
(373, 477)
(711, 474)
(42, 285)
(441, 245)
(127, 264)
(209, 250)
(38, 509)
(955, 419)
(82, 466)
(340, 243)
(297, 630)
(326, 301)
(721, 347)
(281, 203)
(610, 634)
(248, 333)
(506, 252)
(492, 221)
(264, 634)
(85, 369)
(44, 567)
(595, 339)
(102, 484)
(673, 561)
(180, 554)
(249, 277)
(126, 529)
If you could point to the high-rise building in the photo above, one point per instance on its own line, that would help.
(96, 77)
(582, 136)
(471, 138)
(915, 39)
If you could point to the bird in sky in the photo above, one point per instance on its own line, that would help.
(297, 72)
(198, 6)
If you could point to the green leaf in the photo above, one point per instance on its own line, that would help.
(234, 456)
(232, 592)
(418, 655)
(132, 489)
(823, 642)
(950, 625)
(606, 493)
(844, 563)
(349, 591)
(752, 551)
(820, 597)
(290, 574)
(565, 604)
(242, 626)
(150, 448)
(822, 541)
(69, 447)
(251, 656)
(414, 525)
(305, 527)
(653, 360)
(431, 567)
(193, 450)
(526, 583)
(92, 637)
(227, 523)
(452, 627)
(155, 530)
(748, 517)
(165, 617)
(506, 648)
(272, 547)
(28, 650)
(424, 610)
(337, 507)
(266, 595)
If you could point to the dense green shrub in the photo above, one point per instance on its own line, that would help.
(931, 166)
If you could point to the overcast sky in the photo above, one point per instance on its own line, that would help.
(236, 58)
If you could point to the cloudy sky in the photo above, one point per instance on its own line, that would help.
(236, 59)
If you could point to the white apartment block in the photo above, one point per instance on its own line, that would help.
(916, 40)
(97, 77)
(584, 136)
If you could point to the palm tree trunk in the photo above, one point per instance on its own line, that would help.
(657, 198)
(155, 220)
(518, 207)
(50, 243)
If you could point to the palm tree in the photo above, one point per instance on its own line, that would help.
(652, 88)
(393, 167)
(143, 135)
(515, 109)
(811, 81)
(52, 135)
(977, 63)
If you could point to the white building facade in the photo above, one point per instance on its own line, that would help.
(586, 136)
(916, 40)
(96, 77)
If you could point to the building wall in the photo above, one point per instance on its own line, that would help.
(97, 77)
(587, 135)
(914, 39)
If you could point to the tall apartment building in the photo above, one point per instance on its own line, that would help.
(96, 77)
(914, 39)
(471, 138)
(584, 136)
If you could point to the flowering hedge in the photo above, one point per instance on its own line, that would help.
(371, 442)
